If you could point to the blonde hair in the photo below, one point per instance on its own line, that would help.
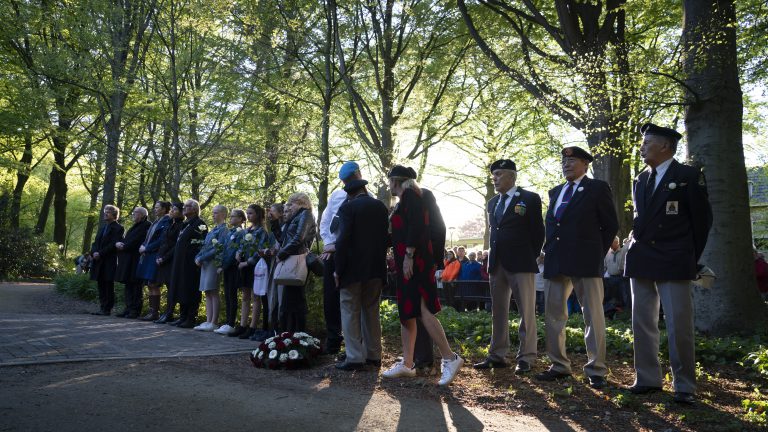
(301, 200)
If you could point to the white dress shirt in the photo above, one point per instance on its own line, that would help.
(510, 193)
(335, 201)
(563, 189)
(661, 170)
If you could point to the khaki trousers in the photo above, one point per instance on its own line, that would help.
(522, 287)
(360, 323)
(676, 298)
(590, 294)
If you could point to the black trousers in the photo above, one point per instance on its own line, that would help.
(132, 296)
(422, 352)
(231, 286)
(331, 304)
(106, 295)
(190, 307)
(293, 313)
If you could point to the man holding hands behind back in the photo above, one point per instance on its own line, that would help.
(670, 228)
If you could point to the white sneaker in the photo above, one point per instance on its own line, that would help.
(450, 369)
(225, 329)
(212, 327)
(201, 327)
(399, 370)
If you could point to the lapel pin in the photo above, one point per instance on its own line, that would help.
(581, 188)
(672, 186)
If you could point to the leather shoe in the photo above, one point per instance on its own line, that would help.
(237, 331)
(684, 398)
(164, 319)
(641, 389)
(188, 324)
(372, 362)
(597, 381)
(177, 322)
(247, 333)
(522, 367)
(345, 366)
(490, 364)
(551, 375)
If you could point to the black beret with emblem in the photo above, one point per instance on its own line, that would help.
(503, 164)
(578, 152)
(652, 129)
(401, 171)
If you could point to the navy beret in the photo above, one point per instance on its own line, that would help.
(652, 129)
(401, 171)
(503, 164)
(354, 185)
(578, 152)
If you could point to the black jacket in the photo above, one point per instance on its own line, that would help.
(576, 245)
(128, 258)
(516, 241)
(185, 273)
(104, 268)
(297, 234)
(362, 240)
(670, 232)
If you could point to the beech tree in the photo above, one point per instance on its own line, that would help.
(713, 122)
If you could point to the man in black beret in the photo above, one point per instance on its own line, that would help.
(517, 233)
(581, 223)
(670, 228)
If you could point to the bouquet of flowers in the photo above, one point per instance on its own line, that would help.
(286, 351)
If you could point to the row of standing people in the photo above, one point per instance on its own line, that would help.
(179, 251)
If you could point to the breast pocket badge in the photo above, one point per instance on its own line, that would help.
(673, 207)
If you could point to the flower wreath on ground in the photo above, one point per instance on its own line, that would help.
(286, 351)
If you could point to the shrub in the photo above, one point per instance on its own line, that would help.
(79, 286)
(24, 254)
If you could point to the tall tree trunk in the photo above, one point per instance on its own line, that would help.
(22, 175)
(93, 209)
(713, 121)
(45, 208)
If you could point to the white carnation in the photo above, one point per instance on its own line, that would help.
(214, 241)
(293, 354)
(261, 355)
(273, 354)
(249, 237)
(287, 341)
(272, 345)
(283, 358)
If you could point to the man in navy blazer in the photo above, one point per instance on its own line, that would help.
(581, 222)
(104, 255)
(517, 233)
(670, 228)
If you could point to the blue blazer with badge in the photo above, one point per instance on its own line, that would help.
(516, 241)
(576, 245)
(669, 232)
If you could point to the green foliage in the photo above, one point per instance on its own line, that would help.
(755, 408)
(24, 254)
(79, 286)
(758, 361)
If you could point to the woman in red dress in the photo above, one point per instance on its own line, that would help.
(416, 286)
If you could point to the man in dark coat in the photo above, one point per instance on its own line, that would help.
(670, 228)
(128, 259)
(185, 273)
(146, 271)
(105, 258)
(517, 234)
(361, 269)
(581, 222)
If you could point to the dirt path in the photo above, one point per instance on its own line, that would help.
(116, 374)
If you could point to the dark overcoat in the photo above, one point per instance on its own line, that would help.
(128, 257)
(105, 267)
(185, 274)
(362, 240)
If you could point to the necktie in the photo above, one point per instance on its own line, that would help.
(566, 198)
(499, 213)
(650, 186)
